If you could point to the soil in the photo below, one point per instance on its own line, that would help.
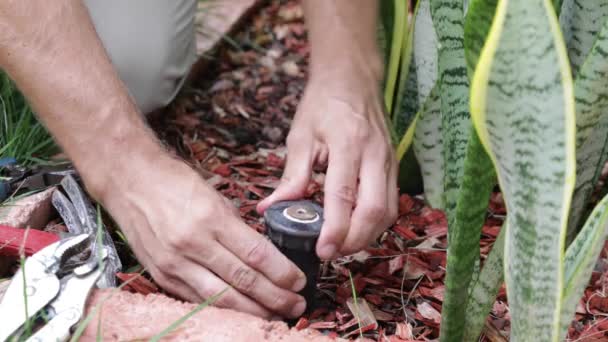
(230, 124)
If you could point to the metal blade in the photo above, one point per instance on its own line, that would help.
(68, 213)
(87, 216)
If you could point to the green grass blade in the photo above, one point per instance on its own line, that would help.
(428, 146)
(97, 310)
(355, 303)
(523, 110)
(580, 260)
(448, 19)
(591, 99)
(187, 316)
(581, 22)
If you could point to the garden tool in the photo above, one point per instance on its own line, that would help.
(80, 218)
(49, 287)
(294, 227)
(16, 178)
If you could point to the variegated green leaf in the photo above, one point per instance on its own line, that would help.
(406, 103)
(425, 50)
(581, 21)
(476, 28)
(580, 260)
(429, 149)
(557, 6)
(484, 289)
(523, 110)
(591, 98)
(463, 237)
(399, 26)
(448, 17)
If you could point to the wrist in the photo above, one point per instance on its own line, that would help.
(365, 66)
(114, 158)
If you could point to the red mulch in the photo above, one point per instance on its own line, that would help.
(230, 125)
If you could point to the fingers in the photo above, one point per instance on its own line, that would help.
(340, 196)
(297, 172)
(261, 255)
(256, 286)
(209, 285)
(369, 215)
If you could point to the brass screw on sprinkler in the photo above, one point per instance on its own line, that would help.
(294, 227)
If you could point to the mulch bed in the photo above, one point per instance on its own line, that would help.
(230, 125)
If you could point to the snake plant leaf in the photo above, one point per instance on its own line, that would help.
(484, 289)
(557, 6)
(581, 22)
(591, 99)
(523, 111)
(425, 50)
(476, 27)
(428, 147)
(406, 103)
(385, 29)
(580, 260)
(399, 25)
(448, 17)
(463, 238)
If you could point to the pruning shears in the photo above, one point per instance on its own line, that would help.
(15, 177)
(55, 282)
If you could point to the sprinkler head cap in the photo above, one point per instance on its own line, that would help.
(294, 225)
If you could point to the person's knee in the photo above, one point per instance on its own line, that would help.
(153, 71)
(151, 44)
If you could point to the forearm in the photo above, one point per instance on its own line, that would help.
(51, 50)
(342, 35)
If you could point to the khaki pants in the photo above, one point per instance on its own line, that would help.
(150, 42)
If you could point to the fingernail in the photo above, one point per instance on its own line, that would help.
(328, 252)
(300, 283)
(298, 309)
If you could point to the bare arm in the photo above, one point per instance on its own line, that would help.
(178, 226)
(51, 50)
(340, 122)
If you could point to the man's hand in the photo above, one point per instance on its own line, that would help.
(179, 227)
(194, 245)
(340, 121)
(344, 128)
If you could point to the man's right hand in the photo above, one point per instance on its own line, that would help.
(194, 245)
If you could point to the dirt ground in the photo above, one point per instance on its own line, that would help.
(231, 124)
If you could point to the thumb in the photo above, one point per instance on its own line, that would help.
(295, 177)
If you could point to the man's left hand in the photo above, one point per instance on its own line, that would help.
(340, 122)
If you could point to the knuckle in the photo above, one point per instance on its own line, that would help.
(244, 279)
(167, 265)
(374, 211)
(357, 131)
(179, 240)
(257, 253)
(346, 193)
(225, 301)
(280, 303)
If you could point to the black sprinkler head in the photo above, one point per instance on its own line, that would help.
(294, 227)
